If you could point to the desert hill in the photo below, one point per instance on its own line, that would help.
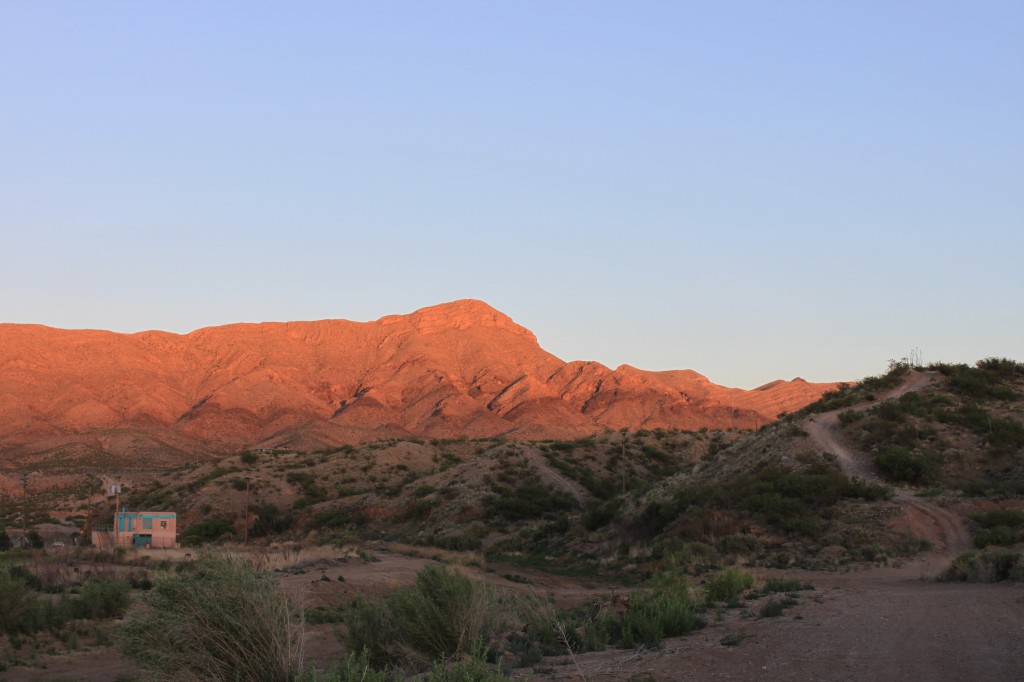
(451, 370)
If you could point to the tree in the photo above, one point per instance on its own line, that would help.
(35, 540)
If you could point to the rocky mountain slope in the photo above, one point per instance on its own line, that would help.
(456, 369)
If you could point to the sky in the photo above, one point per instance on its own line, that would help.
(752, 190)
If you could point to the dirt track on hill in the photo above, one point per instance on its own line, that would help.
(928, 520)
(877, 624)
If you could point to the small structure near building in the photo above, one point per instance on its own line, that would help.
(143, 530)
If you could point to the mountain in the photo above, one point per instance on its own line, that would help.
(460, 369)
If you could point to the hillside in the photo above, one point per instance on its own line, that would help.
(850, 506)
(804, 490)
(460, 369)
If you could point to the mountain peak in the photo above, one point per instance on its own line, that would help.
(462, 314)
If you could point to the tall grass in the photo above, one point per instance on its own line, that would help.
(226, 621)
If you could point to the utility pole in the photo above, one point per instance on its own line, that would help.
(116, 489)
(24, 506)
(624, 432)
(245, 525)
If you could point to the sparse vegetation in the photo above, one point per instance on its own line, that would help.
(988, 566)
(229, 622)
(443, 615)
(728, 585)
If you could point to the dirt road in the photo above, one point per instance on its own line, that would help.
(867, 627)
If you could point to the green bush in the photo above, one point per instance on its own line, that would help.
(225, 621)
(728, 585)
(1000, 517)
(103, 598)
(332, 519)
(18, 610)
(1005, 435)
(442, 615)
(997, 535)
(987, 380)
(664, 610)
(899, 464)
(600, 514)
(28, 577)
(739, 544)
(789, 499)
(270, 520)
(207, 530)
(988, 566)
(847, 417)
(529, 500)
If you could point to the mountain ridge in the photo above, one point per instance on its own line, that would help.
(458, 369)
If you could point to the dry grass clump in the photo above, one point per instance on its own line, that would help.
(225, 621)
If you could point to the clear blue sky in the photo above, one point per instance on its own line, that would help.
(750, 189)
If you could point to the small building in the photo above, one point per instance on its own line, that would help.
(143, 530)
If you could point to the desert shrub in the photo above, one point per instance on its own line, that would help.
(299, 478)
(529, 500)
(207, 530)
(18, 610)
(1000, 517)
(269, 520)
(987, 380)
(424, 490)
(693, 557)
(102, 598)
(334, 518)
(600, 514)
(847, 417)
(1005, 435)
(774, 585)
(441, 615)
(728, 585)
(738, 544)
(773, 608)
(997, 535)
(469, 541)
(419, 510)
(665, 609)
(225, 621)
(249, 457)
(900, 464)
(1003, 367)
(988, 566)
(790, 499)
(19, 572)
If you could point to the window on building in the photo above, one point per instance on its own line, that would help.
(147, 524)
(163, 524)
